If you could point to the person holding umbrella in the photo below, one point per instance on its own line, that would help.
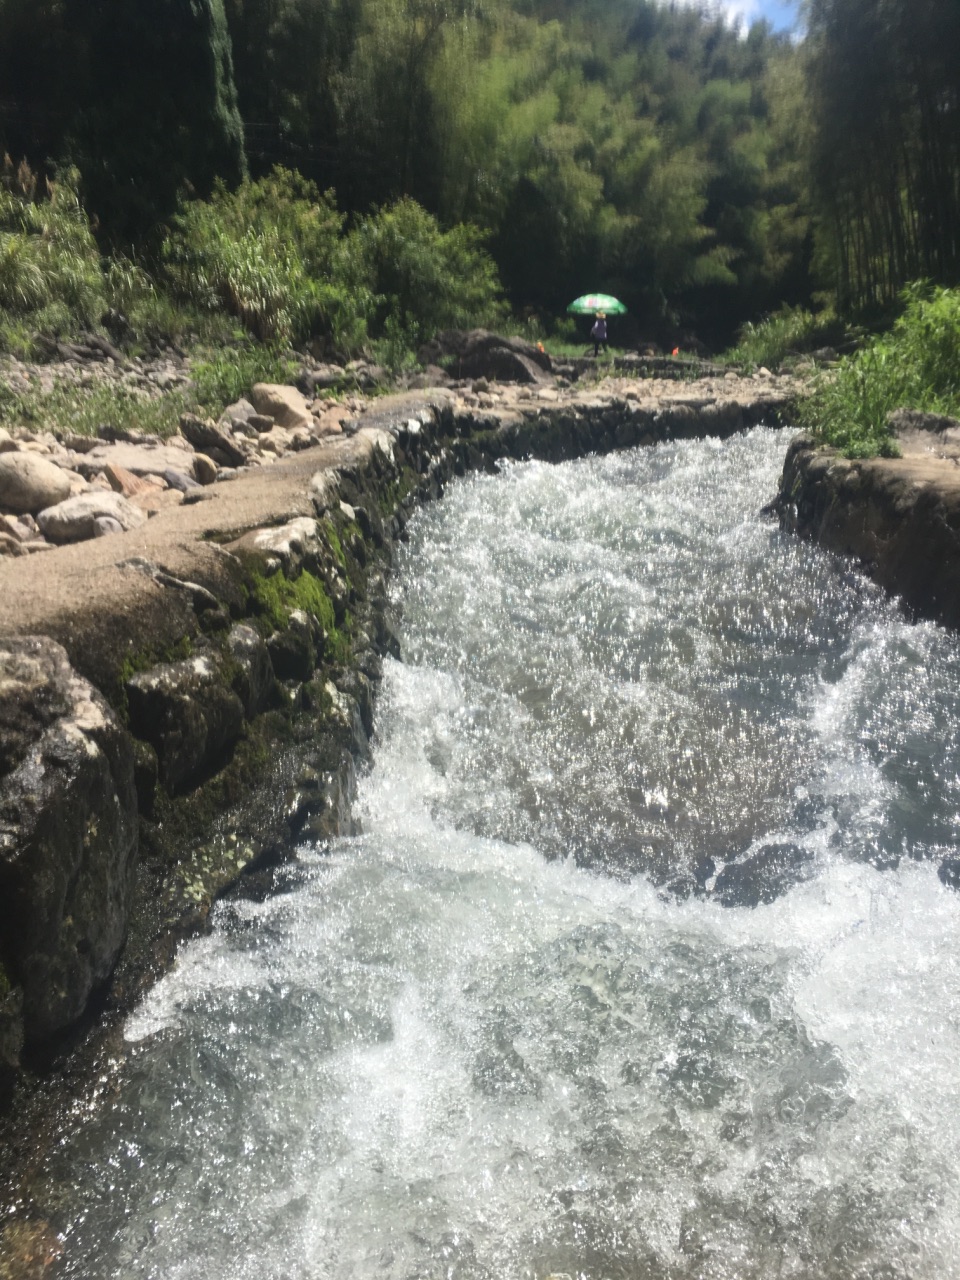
(599, 305)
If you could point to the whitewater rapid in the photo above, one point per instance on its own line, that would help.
(511, 1030)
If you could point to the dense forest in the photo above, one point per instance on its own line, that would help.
(705, 174)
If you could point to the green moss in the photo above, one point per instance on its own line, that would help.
(276, 597)
(334, 543)
(143, 660)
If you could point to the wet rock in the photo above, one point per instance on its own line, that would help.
(28, 483)
(76, 519)
(293, 651)
(254, 678)
(763, 876)
(189, 715)
(68, 834)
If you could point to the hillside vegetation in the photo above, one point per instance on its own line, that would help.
(369, 170)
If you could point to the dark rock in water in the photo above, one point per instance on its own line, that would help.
(188, 714)
(762, 877)
(949, 872)
(68, 837)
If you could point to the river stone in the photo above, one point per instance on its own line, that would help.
(763, 876)
(28, 483)
(68, 834)
(140, 459)
(254, 677)
(286, 405)
(207, 437)
(76, 519)
(189, 715)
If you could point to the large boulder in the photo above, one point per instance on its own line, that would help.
(286, 405)
(28, 483)
(477, 353)
(189, 714)
(68, 835)
(139, 459)
(76, 520)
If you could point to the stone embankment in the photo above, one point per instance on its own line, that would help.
(187, 696)
(899, 517)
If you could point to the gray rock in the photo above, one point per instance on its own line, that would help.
(189, 715)
(241, 411)
(105, 525)
(179, 480)
(68, 834)
(254, 678)
(208, 437)
(76, 519)
(140, 459)
(29, 483)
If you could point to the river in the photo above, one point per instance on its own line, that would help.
(641, 968)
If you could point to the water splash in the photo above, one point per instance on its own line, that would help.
(510, 1031)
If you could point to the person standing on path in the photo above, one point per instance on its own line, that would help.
(599, 334)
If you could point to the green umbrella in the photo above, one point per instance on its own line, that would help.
(590, 303)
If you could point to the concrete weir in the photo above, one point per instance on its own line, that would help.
(899, 517)
(181, 703)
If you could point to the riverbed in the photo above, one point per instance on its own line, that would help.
(641, 967)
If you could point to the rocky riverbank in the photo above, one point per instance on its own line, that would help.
(184, 699)
(898, 517)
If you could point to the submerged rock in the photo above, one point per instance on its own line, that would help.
(762, 877)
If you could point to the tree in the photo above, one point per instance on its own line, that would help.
(170, 120)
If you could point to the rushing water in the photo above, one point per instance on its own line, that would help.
(512, 1030)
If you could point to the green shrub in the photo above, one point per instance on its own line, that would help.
(50, 274)
(75, 409)
(916, 366)
(264, 254)
(790, 331)
(421, 279)
(229, 373)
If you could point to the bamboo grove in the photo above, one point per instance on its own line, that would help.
(706, 174)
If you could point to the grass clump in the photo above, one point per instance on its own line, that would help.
(786, 334)
(84, 410)
(221, 377)
(915, 366)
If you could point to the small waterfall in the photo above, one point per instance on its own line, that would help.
(641, 969)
